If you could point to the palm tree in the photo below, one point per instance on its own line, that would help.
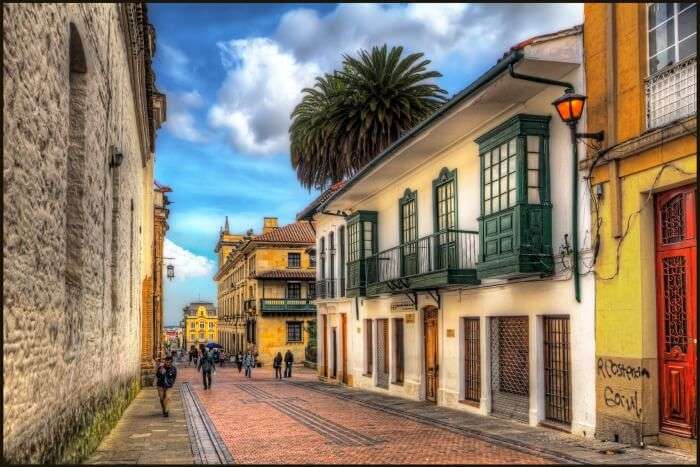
(350, 116)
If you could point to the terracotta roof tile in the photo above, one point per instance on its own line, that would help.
(298, 232)
(286, 274)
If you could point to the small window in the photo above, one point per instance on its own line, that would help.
(445, 200)
(293, 260)
(201, 325)
(312, 291)
(353, 241)
(312, 259)
(192, 325)
(211, 325)
(368, 347)
(294, 331)
(294, 290)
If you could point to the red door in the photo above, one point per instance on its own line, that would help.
(676, 267)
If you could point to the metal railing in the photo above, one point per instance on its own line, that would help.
(287, 304)
(330, 288)
(671, 93)
(449, 249)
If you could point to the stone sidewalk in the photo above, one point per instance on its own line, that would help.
(568, 448)
(144, 436)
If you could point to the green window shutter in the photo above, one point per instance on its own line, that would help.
(362, 243)
(408, 233)
(515, 222)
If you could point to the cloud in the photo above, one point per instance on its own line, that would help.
(187, 264)
(262, 87)
(175, 63)
(180, 119)
(266, 74)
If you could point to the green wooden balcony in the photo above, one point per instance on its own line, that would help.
(287, 305)
(438, 260)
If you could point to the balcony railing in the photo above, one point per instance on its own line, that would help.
(330, 288)
(287, 305)
(410, 265)
(671, 93)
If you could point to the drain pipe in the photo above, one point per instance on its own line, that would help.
(574, 235)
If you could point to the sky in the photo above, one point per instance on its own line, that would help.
(232, 74)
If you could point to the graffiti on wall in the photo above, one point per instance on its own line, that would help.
(626, 399)
(608, 368)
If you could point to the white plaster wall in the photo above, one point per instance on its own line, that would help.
(534, 299)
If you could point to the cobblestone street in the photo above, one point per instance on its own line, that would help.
(261, 420)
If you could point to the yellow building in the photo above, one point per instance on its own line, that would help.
(201, 324)
(641, 85)
(266, 289)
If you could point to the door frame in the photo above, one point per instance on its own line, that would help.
(325, 346)
(431, 309)
(688, 249)
(344, 346)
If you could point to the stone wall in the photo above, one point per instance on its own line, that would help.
(72, 276)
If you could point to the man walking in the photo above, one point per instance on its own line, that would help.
(277, 365)
(206, 364)
(165, 376)
(288, 360)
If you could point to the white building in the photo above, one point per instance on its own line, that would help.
(444, 266)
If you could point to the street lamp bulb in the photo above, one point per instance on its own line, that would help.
(570, 106)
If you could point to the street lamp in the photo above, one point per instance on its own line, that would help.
(570, 109)
(171, 271)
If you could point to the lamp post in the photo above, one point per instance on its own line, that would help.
(570, 108)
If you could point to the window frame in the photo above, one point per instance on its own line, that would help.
(674, 19)
(445, 177)
(409, 197)
(293, 254)
(521, 128)
(297, 287)
(294, 324)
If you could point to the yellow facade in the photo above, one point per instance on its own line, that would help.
(256, 271)
(638, 160)
(202, 327)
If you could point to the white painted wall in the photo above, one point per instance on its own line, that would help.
(554, 295)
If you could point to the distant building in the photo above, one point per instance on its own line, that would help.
(201, 324)
(266, 290)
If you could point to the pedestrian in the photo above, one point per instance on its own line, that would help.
(165, 376)
(195, 357)
(288, 360)
(248, 362)
(239, 361)
(206, 363)
(277, 365)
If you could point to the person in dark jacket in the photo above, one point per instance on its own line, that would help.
(206, 364)
(277, 365)
(248, 363)
(239, 361)
(165, 376)
(288, 360)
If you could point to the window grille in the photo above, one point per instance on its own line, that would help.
(472, 360)
(671, 93)
(294, 331)
(557, 376)
(294, 260)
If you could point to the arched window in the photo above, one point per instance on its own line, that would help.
(75, 177)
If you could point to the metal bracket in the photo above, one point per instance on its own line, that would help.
(435, 295)
(413, 298)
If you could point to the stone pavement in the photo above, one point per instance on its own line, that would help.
(569, 448)
(144, 436)
(302, 420)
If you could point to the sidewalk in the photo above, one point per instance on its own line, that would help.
(568, 448)
(144, 436)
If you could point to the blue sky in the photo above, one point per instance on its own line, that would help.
(232, 74)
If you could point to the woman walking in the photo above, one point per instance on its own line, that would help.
(248, 362)
(277, 365)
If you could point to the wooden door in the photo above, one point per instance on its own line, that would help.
(334, 354)
(344, 345)
(431, 353)
(676, 268)
(325, 346)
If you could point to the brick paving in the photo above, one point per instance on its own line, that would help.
(144, 436)
(262, 420)
(302, 420)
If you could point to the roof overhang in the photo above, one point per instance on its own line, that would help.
(492, 95)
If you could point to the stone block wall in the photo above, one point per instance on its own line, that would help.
(71, 363)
